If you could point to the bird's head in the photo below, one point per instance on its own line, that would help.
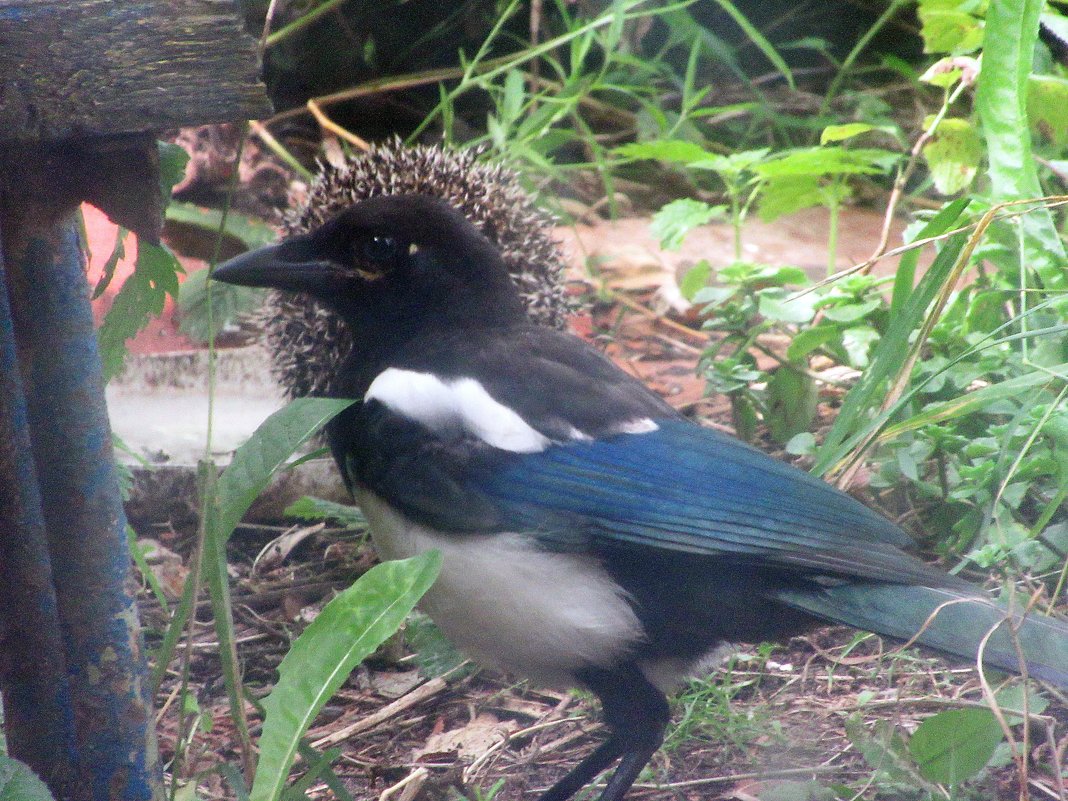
(396, 260)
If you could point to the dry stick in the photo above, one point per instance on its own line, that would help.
(662, 320)
(1020, 758)
(260, 130)
(334, 128)
(535, 64)
(903, 176)
(406, 701)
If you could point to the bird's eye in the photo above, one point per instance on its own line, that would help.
(380, 248)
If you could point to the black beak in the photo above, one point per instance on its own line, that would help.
(293, 264)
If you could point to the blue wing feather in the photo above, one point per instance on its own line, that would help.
(687, 488)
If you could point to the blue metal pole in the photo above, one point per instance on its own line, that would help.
(38, 717)
(61, 373)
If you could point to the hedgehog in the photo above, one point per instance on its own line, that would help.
(307, 342)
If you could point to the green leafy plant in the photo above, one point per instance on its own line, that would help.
(347, 630)
(19, 783)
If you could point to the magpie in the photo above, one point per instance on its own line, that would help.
(590, 535)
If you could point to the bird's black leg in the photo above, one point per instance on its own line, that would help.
(636, 713)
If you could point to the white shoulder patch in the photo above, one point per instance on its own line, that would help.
(461, 403)
(639, 425)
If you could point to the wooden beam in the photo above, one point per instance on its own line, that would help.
(78, 68)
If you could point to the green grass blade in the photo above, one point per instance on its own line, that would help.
(277, 438)
(217, 578)
(974, 401)
(1001, 99)
(757, 38)
(862, 402)
(348, 629)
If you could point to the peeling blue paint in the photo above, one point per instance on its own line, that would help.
(106, 672)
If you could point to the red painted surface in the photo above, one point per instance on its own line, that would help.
(161, 335)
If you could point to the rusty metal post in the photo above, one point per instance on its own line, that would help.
(38, 715)
(113, 750)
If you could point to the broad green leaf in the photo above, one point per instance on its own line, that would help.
(777, 304)
(803, 444)
(955, 745)
(309, 508)
(346, 631)
(953, 155)
(826, 161)
(695, 279)
(1047, 107)
(276, 440)
(252, 233)
(1001, 99)
(228, 302)
(673, 150)
(19, 783)
(671, 224)
(858, 341)
(787, 194)
(837, 133)
(948, 30)
(1011, 699)
(732, 165)
(884, 750)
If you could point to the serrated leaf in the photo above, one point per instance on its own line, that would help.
(142, 296)
(953, 155)
(954, 745)
(851, 312)
(228, 302)
(309, 508)
(275, 441)
(172, 161)
(777, 304)
(838, 133)
(673, 150)
(671, 224)
(947, 30)
(825, 161)
(19, 783)
(732, 164)
(346, 631)
(787, 194)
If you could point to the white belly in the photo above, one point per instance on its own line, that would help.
(535, 613)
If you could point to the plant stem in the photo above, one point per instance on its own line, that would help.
(834, 206)
(854, 54)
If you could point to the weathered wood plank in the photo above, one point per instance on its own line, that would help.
(88, 67)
